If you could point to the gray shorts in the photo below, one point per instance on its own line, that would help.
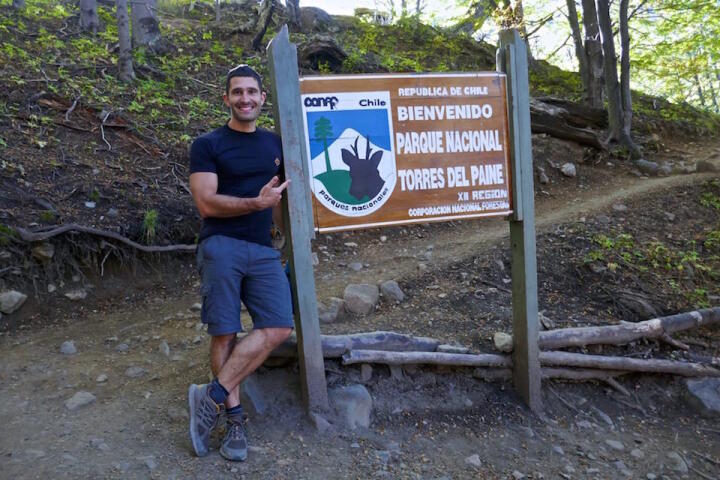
(234, 270)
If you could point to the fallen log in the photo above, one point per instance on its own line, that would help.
(495, 374)
(568, 359)
(628, 332)
(576, 114)
(334, 346)
(426, 358)
(542, 122)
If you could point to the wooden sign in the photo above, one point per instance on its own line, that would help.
(397, 149)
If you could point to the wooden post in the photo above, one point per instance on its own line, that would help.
(297, 214)
(512, 59)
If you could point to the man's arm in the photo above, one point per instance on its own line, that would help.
(203, 186)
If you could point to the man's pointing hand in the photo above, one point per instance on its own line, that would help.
(271, 193)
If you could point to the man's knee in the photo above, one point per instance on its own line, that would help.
(223, 342)
(276, 336)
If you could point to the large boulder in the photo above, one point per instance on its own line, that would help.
(11, 301)
(360, 299)
(352, 404)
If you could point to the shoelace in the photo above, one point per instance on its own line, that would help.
(236, 430)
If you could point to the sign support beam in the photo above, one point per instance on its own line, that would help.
(298, 220)
(512, 59)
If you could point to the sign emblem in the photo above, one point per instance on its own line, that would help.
(350, 147)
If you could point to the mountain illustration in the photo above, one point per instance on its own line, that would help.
(337, 180)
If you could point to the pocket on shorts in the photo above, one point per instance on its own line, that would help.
(206, 295)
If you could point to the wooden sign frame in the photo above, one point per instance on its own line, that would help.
(512, 61)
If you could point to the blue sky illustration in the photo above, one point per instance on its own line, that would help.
(370, 123)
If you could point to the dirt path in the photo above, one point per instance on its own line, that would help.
(136, 357)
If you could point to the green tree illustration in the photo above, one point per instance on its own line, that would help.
(323, 130)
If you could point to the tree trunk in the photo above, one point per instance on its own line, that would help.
(713, 95)
(18, 4)
(217, 11)
(145, 25)
(580, 53)
(593, 52)
(293, 8)
(701, 96)
(612, 86)
(266, 10)
(88, 16)
(125, 66)
(625, 93)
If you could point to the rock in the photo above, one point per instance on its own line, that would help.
(101, 378)
(100, 444)
(135, 371)
(558, 449)
(396, 372)
(353, 404)
(149, 462)
(619, 207)
(351, 244)
(366, 371)
(391, 290)
(503, 342)
(360, 299)
(542, 176)
(665, 169)
(80, 399)
(251, 394)
(517, 475)
(452, 349)
(529, 433)
(383, 238)
(332, 311)
(77, 294)
(122, 347)
(196, 307)
(651, 476)
(706, 166)
(315, 259)
(68, 348)
(112, 213)
(615, 445)
(669, 215)
(704, 395)
(569, 170)
(473, 460)
(320, 422)
(164, 348)
(11, 301)
(547, 322)
(647, 167)
(44, 252)
(677, 463)
(355, 266)
(620, 465)
(90, 204)
(51, 288)
(636, 453)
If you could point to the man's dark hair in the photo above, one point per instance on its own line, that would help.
(242, 70)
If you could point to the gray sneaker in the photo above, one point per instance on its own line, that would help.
(204, 413)
(234, 445)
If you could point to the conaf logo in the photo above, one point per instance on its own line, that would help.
(321, 102)
(351, 154)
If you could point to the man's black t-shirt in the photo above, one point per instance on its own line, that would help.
(244, 163)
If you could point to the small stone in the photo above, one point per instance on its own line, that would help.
(569, 469)
(366, 371)
(332, 310)
(351, 244)
(102, 378)
(615, 445)
(196, 307)
(619, 207)
(474, 460)
(68, 348)
(669, 215)
(320, 422)
(569, 170)
(11, 301)
(77, 294)
(100, 444)
(584, 424)
(383, 238)
(122, 347)
(354, 445)
(637, 453)
(665, 169)
(517, 475)
(503, 342)
(558, 449)
(704, 395)
(468, 403)
(620, 465)
(677, 463)
(80, 399)
(355, 266)
(529, 433)
(422, 267)
(149, 462)
(51, 288)
(135, 371)
(90, 204)
(164, 348)
(113, 212)
(542, 176)
(391, 290)
(44, 252)
(315, 259)
(651, 476)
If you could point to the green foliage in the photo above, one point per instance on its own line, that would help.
(149, 225)
(6, 234)
(47, 216)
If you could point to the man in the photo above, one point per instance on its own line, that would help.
(234, 179)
